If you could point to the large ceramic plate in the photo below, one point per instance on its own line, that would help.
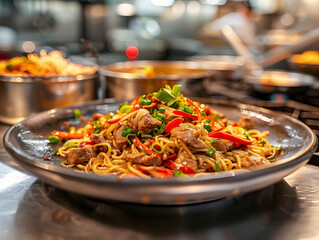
(27, 143)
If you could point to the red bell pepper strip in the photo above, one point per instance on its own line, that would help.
(135, 101)
(170, 164)
(230, 137)
(217, 130)
(187, 169)
(196, 109)
(144, 171)
(157, 174)
(115, 120)
(136, 104)
(185, 114)
(166, 171)
(153, 105)
(173, 156)
(140, 145)
(67, 135)
(173, 124)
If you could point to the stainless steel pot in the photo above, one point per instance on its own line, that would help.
(119, 82)
(21, 96)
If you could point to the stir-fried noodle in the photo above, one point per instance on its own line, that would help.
(161, 135)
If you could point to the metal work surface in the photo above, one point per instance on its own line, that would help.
(30, 209)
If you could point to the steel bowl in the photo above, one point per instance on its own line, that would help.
(22, 96)
(226, 67)
(118, 81)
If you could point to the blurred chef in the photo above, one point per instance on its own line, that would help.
(241, 21)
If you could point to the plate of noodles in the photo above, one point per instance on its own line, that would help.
(160, 148)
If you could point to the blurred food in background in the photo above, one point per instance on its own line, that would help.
(307, 57)
(100, 32)
(46, 65)
(306, 62)
(278, 78)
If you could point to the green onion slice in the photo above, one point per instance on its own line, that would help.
(153, 147)
(217, 166)
(210, 153)
(54, 139)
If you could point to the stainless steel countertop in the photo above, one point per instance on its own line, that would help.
(30, 209)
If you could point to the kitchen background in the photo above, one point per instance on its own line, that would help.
(96, 30)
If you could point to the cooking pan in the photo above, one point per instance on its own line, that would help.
(279, 81)
(272, 81)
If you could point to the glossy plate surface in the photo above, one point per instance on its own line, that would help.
(27, 142)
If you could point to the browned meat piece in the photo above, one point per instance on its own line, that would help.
(145, 124)
(253, 160)
(246, 122)
(95, 117)
(147, 160)
(223, 145)
(120, 141)
(80, 155)
(189, 135)
(97, 138)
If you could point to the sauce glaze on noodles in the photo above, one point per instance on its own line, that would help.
(162, 135)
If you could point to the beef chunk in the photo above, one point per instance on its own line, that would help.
(80, 155)
(97, 138)
(223, 145)
(189, 135)
(120, 141)
(253, 160)
(246, 122)
(147, 160)
(146, 123)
